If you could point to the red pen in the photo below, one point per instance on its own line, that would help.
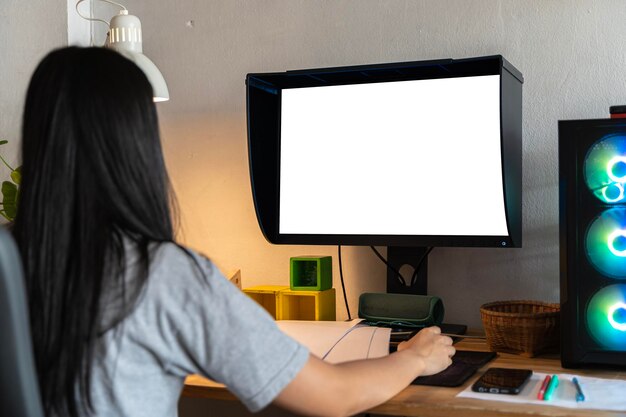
(544, 385)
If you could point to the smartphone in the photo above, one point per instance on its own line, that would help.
(502, 381)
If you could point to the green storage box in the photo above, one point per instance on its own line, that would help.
(311, 273)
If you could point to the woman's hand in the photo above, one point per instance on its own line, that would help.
(434, 350)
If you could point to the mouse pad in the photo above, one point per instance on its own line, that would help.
(464, 364)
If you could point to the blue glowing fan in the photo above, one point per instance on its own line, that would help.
(606, 243)
(605, 168)
(606, 317)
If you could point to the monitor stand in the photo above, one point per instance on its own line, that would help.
(417, 257)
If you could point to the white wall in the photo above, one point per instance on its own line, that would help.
(28, 30)
(570, 52)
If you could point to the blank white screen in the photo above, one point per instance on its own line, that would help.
(395, 158)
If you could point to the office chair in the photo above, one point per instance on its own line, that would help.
(19, 390)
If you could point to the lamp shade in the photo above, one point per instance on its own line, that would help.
(125, 37)
(159, 87)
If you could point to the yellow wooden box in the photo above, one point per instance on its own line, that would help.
(268, 296)
(307, 305)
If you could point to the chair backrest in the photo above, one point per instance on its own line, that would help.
(19, 390)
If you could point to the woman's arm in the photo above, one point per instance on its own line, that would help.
(323, 389)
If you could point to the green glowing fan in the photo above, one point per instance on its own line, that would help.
(606, 317)
(605, 168)
(606, 243)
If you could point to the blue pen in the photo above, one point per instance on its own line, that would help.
(554, 382)
(579, 391)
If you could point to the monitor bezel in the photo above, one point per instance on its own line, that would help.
(264, 96)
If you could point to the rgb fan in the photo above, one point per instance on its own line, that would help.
(606, 243)
(605, 168)
(606, 317)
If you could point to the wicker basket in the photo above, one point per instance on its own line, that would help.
(523, 327)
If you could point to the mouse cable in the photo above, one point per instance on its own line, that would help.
(343, 286)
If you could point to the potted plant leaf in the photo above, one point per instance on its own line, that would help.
(10, 190)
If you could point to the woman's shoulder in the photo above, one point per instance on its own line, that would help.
(177, 275)
(172, 254)
(175, 263)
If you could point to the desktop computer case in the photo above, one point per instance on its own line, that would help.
(592, 223)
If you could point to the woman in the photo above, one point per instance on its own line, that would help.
(121, 313)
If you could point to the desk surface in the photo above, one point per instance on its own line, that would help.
(442, 402)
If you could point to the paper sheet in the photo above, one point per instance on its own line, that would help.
(339, 341)
(363, 342)
(600, 393)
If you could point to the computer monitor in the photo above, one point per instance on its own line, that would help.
(407, 155)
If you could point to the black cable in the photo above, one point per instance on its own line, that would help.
(398, 274)
(343, 286)
(419, 265)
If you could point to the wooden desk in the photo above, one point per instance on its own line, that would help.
(442, 402)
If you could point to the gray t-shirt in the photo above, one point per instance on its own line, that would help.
(184, 324)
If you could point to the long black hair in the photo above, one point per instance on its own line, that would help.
(93, 179)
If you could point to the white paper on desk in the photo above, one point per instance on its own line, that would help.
(363, 342)
(600, 393)
(339, 341)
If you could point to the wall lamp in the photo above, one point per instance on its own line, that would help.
(124, 36)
